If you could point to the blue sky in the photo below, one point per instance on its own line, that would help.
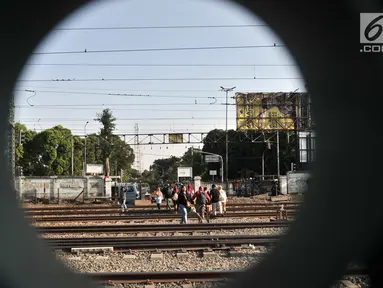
(183, 104)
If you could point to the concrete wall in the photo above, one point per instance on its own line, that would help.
(297, 182)
(59, 187)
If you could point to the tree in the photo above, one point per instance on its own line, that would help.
(107, 120)
(194, 158)
(148, 177)
(165, 169)
(48, 153)
(120, 157)
(133, 176)
(20, 148)
(245, 155)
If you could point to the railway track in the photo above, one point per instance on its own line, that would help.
(100, 207)
(158, 227)
(165, 242)
(152, 210)
(149, 216)
(188, 276)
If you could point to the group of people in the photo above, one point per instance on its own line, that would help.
(203, 202)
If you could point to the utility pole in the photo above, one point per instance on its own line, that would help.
(137, 148)
(278, 162)
(227, 90)
(72, 156)
(86, 124)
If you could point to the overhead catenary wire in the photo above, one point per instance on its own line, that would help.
(93, 108)
(20, 88)
(118, 119)
(158, 79)
(116, 109)
(113, 94)
(88, 51)
(159, 27)
(158, 65)
(112, 105)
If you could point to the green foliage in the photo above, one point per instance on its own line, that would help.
(166, 169)
(107, 141)
(107, 120)
(245, 156)
(50, 152)
(132, 175)
(193, 158)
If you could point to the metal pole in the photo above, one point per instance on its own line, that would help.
(221, 169)
(72, 156)
(85, 148)
(278, 164)
(263, 165)
(227, 141)
(227, 90)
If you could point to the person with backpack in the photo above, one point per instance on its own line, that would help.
(168, 196)
(215, 200)
(202, 199)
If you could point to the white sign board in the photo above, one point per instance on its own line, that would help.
(184, 172)
(283, 184)
(297, 182)
(94, 169)
(211, 158)
(213, 172)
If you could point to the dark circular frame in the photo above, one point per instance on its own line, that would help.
(341, 218)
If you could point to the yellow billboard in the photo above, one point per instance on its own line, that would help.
(176, 138)
(266, 111)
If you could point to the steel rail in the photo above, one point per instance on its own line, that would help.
(141, 211)
(186, 276)
(154, 238)
(163, 242)
(95, 206)
(130, 217)
(159, 227)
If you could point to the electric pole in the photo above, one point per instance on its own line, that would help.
(227, 90)
(86, 124)
(72, 160)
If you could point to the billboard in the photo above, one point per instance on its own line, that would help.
(268, 111)
(212, 158)
(95, 169)
(184, 172)
(176, 138)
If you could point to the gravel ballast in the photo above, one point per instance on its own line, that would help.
(250, 231)
(115, 262)
(193, 262)
(141, 222)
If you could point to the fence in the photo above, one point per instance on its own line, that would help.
(293, 183)
(64, 188)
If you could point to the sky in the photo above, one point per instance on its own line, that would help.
(160, 98)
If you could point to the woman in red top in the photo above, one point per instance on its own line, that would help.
(190, 190)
